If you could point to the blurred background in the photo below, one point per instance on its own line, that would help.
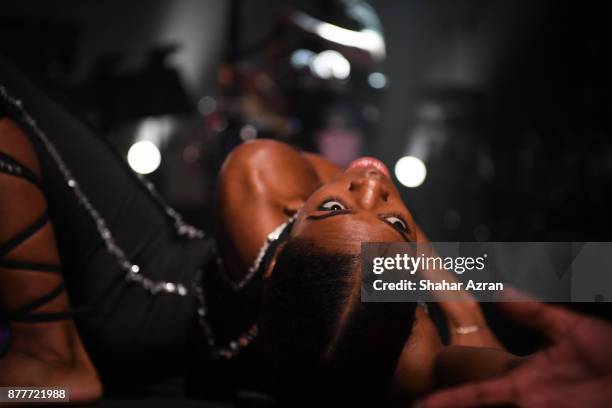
(493, 116)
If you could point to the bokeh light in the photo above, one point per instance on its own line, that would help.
(330, 64)
(144, 157)
(410, 171)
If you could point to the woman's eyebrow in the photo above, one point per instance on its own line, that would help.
(329, 214)
(314, 217)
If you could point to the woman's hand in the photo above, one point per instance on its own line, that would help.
(575, 370)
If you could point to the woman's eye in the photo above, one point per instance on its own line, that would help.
(397, 223)
(332, 205)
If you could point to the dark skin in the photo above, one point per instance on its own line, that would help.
(275, 181)
(41, 354)
(574, 370)
(261, 185)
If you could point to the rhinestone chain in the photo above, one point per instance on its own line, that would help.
(132, 270)
(272, 237)
(9, 167)
(233, 348)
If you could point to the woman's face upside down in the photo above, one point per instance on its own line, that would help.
(358, 205)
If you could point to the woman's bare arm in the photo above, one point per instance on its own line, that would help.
(425, 364)
(414, 372)
(464, 313)
(261, 184)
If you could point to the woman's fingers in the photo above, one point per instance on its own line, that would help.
(552, 320)
(555, 321)
(499, 391)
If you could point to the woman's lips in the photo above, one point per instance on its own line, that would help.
(370, 162)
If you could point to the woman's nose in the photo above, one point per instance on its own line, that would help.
(370, 189)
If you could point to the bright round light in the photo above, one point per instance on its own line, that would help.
(302, 58)
(410, 171)
(377, 80)
(144, 157)
(330, 64)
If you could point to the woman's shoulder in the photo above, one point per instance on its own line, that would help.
(265, 159)
(261, 149)
(274, 155)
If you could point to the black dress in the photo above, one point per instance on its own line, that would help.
(130, 334)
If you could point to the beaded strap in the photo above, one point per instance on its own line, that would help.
(233, 348)
(271, 238)
(133, 274)
(132, 271)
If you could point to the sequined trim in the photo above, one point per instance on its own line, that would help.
(234, 347)
(133, 274)
(271, 238)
